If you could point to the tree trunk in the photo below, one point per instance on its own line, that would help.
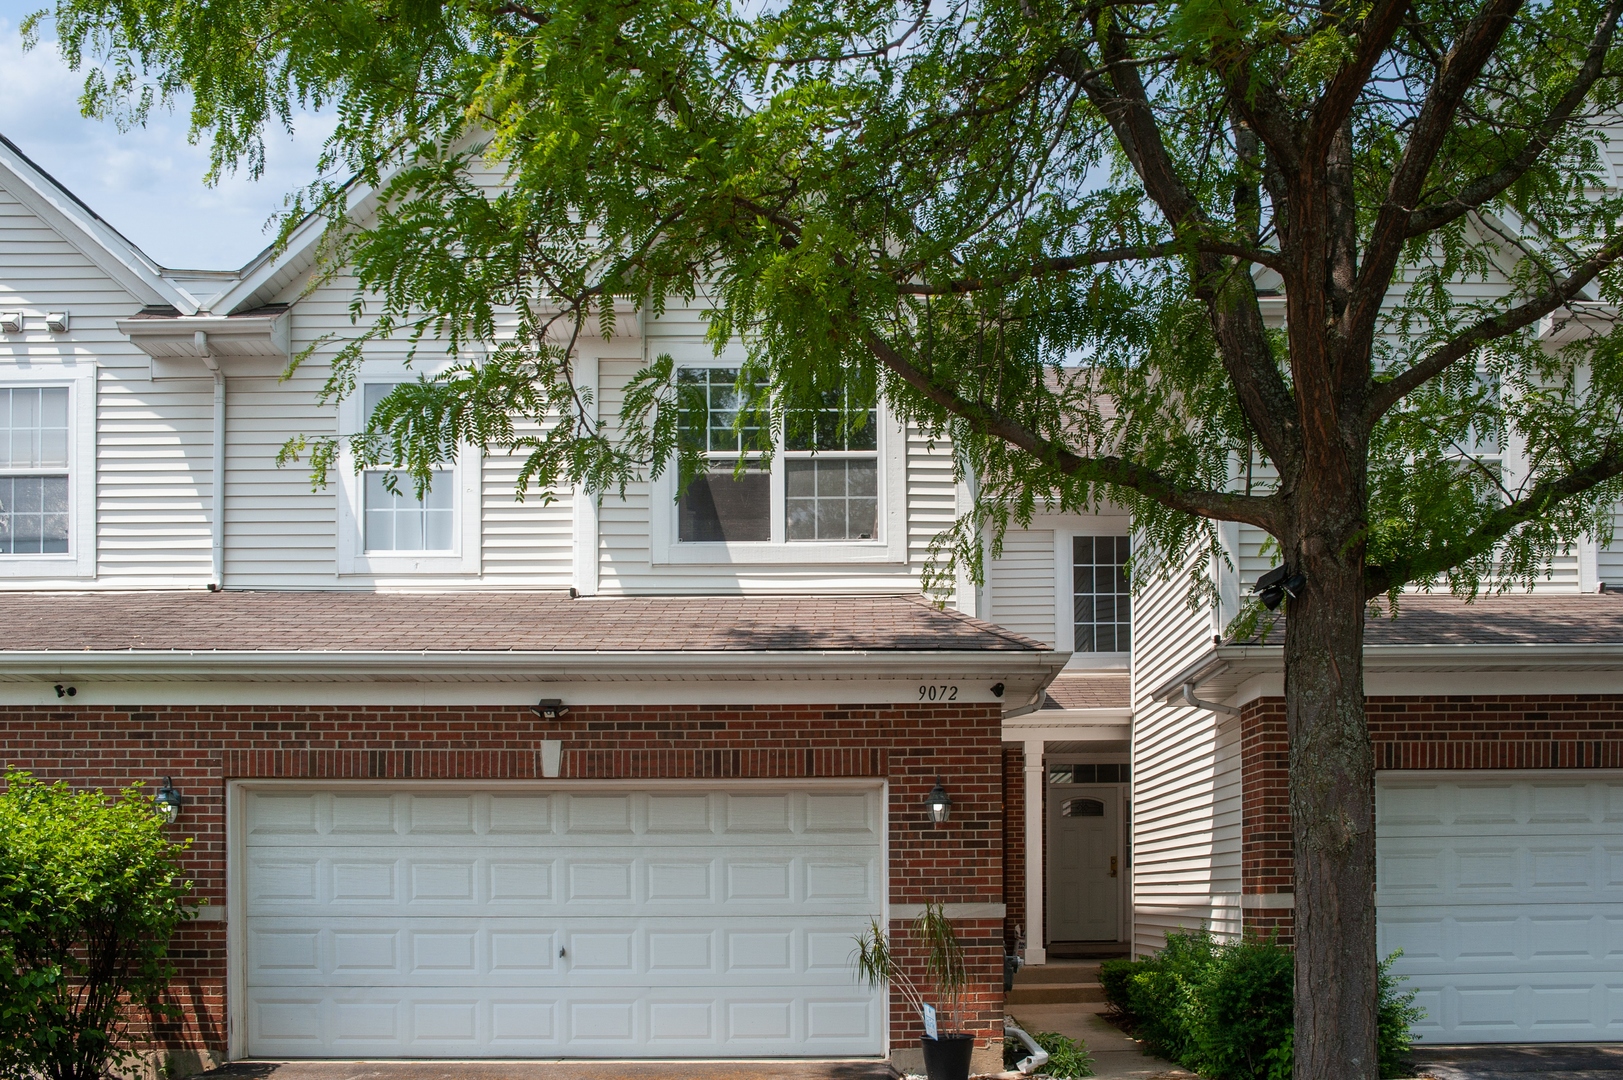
(1332, 782)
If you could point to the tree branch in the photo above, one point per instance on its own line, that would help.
(1064, 263)
(1481, 540)
(1338, 99)
(1479, 191)
(1221, 506)
(1461, 66)
(1389, 393)
(1236, 320)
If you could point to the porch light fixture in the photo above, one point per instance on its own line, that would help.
(1278, 583)
(939, 803)
(549, 708)
(168, 801)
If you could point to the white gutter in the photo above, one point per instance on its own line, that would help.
(217, 516)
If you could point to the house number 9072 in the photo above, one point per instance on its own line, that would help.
(938, 692)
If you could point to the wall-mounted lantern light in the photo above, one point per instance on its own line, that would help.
(168, 801)
(549, 708)
(939, 803)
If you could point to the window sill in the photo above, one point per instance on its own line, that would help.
(46, 566)
(802, 552)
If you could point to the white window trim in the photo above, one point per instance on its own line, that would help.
(1065, 603)
(80, 559)
(890, 546)
(466, 505)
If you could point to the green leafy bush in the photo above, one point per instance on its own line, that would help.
(89, 895)
(1068, 1058)
(1225, 1010)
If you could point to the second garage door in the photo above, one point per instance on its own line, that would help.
(1505, 893)
(456, 922)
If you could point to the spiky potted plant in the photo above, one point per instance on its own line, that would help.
(947, 1053)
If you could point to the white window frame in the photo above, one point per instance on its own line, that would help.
(1065, 599)
(79, 561)
(890, 546)
(466, 505)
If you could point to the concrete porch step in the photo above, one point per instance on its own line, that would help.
(1058, 971)
(1055, 994)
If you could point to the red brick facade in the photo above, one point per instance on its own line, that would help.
(203, 747)
(1014, 842)
(1506, 731)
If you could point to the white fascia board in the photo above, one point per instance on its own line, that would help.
(298, 255)
(1222, 670)
(481, 666)
(94, 238)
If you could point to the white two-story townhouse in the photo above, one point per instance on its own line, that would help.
(594, 775)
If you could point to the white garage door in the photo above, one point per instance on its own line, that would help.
(605, 922)
(1505, 893)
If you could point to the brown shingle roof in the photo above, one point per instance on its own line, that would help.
(1510, 619)
(1089, 692)
(516, 622)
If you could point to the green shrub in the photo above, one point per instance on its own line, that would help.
(1241, 1010)
(89, 896)
(1225, 1011)
(1115, 976)
(1068, 1058)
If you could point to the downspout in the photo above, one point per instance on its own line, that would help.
(217, 517)
(1200, 703)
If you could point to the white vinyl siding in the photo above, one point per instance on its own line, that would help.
(1186, 777)
(145, 468)
(1021, 584)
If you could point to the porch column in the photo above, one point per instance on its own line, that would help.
(1035, 778)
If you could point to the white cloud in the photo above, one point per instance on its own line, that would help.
(147, 183)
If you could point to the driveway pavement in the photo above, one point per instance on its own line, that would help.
(1547, 1061)
(553, 1070)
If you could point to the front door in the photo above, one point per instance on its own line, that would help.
(1084, 862)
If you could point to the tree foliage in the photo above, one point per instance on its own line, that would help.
(90, 893)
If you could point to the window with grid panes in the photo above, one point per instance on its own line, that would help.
(828, 468)
(398, 520)
(1103, 602)
(33, 470)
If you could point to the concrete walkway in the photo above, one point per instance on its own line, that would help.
(1115, 1056)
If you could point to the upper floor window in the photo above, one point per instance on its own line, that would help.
(823, 483)
(395, 518)
(385, 528)
(34, 459)
(1103, 601)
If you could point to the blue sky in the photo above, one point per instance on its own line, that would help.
(147, 183)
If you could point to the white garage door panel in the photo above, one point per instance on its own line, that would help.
(600, 923)
(1506, 896)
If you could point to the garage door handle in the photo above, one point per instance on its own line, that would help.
(1113, 859)
(560, 953)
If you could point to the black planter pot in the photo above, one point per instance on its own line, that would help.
(947, 1058)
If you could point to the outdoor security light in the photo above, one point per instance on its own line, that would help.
(549, 708)
(168, 802)
(1278, 583)
(939, 803)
